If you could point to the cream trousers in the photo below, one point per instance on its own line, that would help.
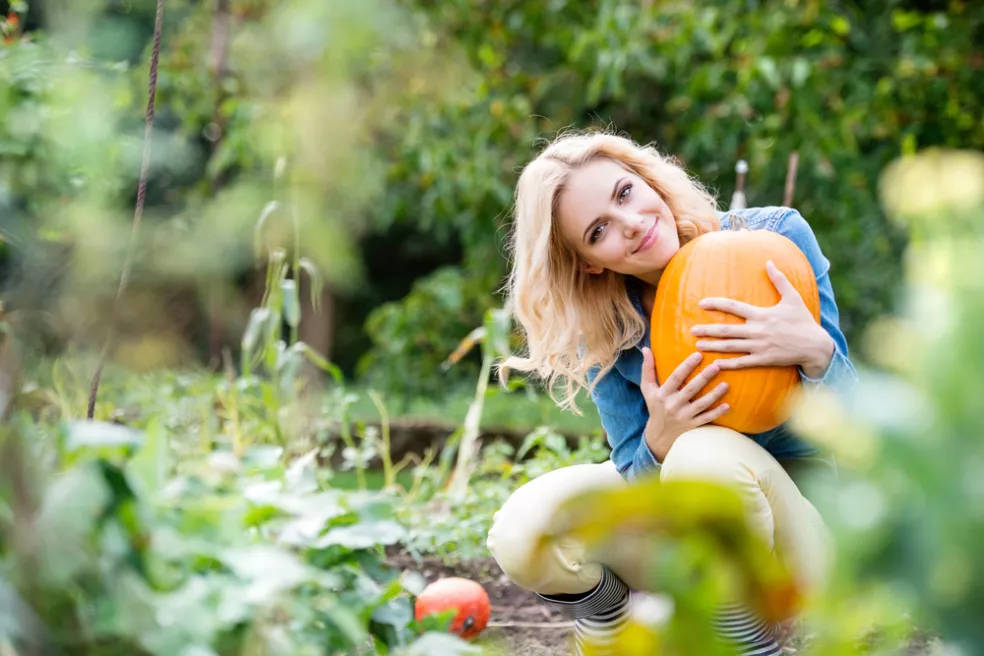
(777, 510)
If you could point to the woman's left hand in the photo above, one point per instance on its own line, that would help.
(782, 335)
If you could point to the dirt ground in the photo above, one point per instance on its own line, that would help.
(521, 625)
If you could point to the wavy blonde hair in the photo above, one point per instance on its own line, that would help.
(573, 321)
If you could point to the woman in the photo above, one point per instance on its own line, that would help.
(598, 217)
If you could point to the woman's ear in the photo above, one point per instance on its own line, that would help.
(591, 269)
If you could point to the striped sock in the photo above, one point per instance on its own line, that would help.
(751, 636)
(598, 615)
(601, 613)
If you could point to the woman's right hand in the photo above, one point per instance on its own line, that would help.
(672, 409)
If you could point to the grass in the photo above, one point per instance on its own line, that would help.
(519, 410)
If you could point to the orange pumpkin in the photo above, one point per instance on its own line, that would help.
(730, 264)
(468, 598)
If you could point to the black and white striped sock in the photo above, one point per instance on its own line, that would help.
(747, 633)
(598, 615)
(601, 613)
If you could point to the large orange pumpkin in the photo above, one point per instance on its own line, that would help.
(730, 264)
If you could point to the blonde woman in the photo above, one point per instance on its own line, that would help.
(597, 218)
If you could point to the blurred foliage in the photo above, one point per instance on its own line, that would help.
(847, 85)
(120, 550)
(243, 120)
(908, 508)
(400, 129)
(204, 514)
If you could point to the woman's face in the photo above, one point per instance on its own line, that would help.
(616, 221)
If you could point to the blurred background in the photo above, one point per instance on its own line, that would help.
(313, 290)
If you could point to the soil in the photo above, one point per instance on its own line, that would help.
(522, 625)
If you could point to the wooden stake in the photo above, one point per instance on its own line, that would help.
(787, 200)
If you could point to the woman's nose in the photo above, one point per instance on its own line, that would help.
(631, 224)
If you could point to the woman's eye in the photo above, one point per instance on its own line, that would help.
(596, 233)
(624, 193)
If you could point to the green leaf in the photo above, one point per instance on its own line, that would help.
(317, 282)
(151, 465)
(268, 210)
(100, 435)
(769, 71)
(263, 456)
(319, 361)
(258, 325)
(840, 25)
(364, 535)
(397, 613)
(292, 302)
(439, 643)
(301, 476)
(72, 505)
(268, 569)
(801, 71)
(498, 324)
(413, 582)
(348, 623)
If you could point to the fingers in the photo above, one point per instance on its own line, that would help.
(709, 399)
(780, 281)
(778, 278)
(711, 415)
(700, 381)
(743, 362)
(648, 377)
(673, 383)
(731, 306)
(729, 345)
(723, 330)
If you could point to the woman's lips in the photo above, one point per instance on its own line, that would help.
(648, 239)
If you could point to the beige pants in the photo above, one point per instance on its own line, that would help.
(777, 511)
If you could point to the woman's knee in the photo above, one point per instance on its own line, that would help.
(560, 567)
(716, 453)
(777, 510)
(721, 455)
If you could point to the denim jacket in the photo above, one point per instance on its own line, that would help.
(619, 400)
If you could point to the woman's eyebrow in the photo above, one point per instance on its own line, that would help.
(587, 230)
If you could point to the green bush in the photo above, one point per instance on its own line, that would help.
(846, 85)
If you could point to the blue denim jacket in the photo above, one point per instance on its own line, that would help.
(618, 398)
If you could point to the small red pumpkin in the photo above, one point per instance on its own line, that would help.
(731, 264)
(466, 597)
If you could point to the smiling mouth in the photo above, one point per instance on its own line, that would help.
(647, 240)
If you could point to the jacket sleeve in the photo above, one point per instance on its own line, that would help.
(840, 372)
(624, 415)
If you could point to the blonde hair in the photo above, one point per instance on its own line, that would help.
(573, 321)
